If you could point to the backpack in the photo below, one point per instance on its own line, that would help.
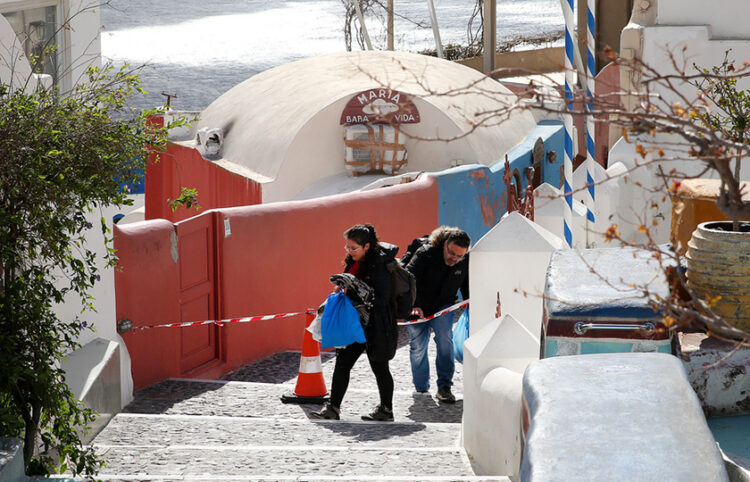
(413, 247)
(403, 289)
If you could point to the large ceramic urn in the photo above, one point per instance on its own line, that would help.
(718, 269)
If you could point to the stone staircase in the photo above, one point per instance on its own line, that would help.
(238, 429)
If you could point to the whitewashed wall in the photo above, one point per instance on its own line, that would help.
(718, 15)
(665, 33)
(641, 195)
(14, 66)
(603, 208)
(495, 358)
(317, 153)
(549, 206)
(102, 320)
(511, 259)
(80, 44)
(82, 40)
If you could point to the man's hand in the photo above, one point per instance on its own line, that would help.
(417, 311)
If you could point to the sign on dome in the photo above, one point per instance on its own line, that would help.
(380, 106)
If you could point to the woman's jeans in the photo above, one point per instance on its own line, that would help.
(419, 333)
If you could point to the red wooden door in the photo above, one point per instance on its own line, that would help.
(198, 344)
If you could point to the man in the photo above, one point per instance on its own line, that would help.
(441, 268)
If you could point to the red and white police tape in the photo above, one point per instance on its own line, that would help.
(248, 319)
(435, 315)
(226, 321)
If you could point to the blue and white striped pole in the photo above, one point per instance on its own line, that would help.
(568, 159)
(590, 128)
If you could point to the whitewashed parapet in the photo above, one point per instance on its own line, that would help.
(495, 358)
(93, 375)
(511, 259)
(606, 191)
(641, 194)
(642, 198)
(548, 213)
(698, 12)
(615, 417)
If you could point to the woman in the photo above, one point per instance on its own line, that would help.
(366, 259)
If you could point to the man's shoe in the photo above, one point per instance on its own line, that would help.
(444, 395)
(422, 392)
(329, 412)
(381, 414)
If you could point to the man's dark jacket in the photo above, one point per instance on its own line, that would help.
(437, 283)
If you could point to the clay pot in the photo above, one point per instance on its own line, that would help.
(718, 264)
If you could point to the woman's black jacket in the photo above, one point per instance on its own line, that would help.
(382, 331)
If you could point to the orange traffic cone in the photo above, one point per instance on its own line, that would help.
(311, 387)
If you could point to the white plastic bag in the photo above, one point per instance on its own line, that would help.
(314, 327)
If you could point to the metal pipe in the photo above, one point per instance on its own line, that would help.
(362, 24)
(436, 29)
(576, 51)
(390, 24)
(490, 35)
(581, 328)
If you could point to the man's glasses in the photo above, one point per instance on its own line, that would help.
(454, 255)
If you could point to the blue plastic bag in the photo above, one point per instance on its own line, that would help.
(340, 324)
(460, 334)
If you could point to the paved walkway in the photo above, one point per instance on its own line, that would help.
(238, 429)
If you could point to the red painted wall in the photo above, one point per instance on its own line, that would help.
(147, 293)
(607, 82)
(277, 258)
(182, 166)
(280, 255)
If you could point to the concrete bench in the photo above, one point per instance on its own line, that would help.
(615, 417)
(11, 460)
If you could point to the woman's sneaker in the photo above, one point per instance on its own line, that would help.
(329, 412)
(444, 395)
(381, 414)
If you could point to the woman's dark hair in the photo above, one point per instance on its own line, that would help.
(363, 234)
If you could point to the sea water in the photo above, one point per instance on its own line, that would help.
(198, 50)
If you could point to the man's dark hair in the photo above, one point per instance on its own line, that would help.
(450, 234)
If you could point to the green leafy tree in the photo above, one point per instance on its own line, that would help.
(727, 110)
(61, 158)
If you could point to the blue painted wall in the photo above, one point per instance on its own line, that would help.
(474, 198)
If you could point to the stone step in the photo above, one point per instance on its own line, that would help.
(292, 478)
(275, 463)
(156, 431)
(249, 399)
(283, 367)
(238, 429)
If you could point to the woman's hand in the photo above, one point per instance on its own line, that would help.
(337, 289)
